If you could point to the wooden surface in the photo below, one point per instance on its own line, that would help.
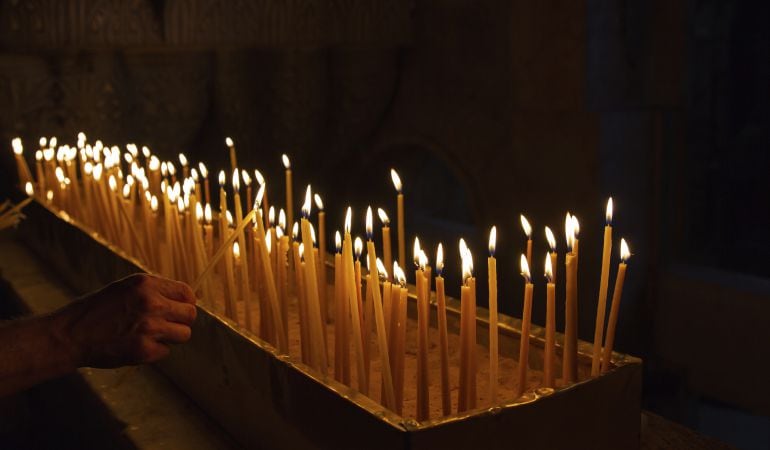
(150, 412)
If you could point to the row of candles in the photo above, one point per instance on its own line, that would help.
(171, 228)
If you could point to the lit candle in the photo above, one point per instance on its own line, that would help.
(206, 189)
(289, 188)
(493, 351)
(528, 232)
(387, 309)
(386, 246)
(615, 308)
(21, 164)
(465, 346)
(247, 181)
(238, 273)
(318, 349)
(554, 256)
(283, 274)
(400, 215)
(358, 248)
(604, 281)
(183, 163)
(340, 332)
(525, 322)
(400, 337)
(423, 319)
(353, 299)
(322, 253)
(244, 266)
(230, 309)
(446, 400)
(300, 292)
(550, 325)
(390, 399)
(233, 160)
(261, 182)
(569, 366)
(208, 231)
(39, 170)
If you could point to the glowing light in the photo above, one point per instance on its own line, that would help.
(525, 226)
(440, 259)
(416, 251)
(222, 178)
(348, 219)
(302, 251)
(198, 212)
(246, 178)
(271, 216)
(525, 268)
(338, 241)
(282, 219)
(493, 240)
(18, 148)
(180, 204)
(625, 253)
(113, 183)
(182, 160)
(381, 272)
(194, 174)
(369, 225)
(399, 274)
(229, 218)
(548, 268)
(608, 214)
(551, 239)
(295, 231)
(43, 141)
(29, 189)
(358, 246)
(154, 163)
(204, 170)
(422, 260)
(207, 214)
(126, 190)
(569, 232)
(318, 202)
(396, 180)
(171, 168)
(575, 226)
(259, 197)
(236, 250)
(258, 176)
(286, 162)
(308, 202)
(383, 217)
(269, 242)
(229, 142)
(236, 180)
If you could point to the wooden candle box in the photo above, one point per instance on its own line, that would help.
(269, 401)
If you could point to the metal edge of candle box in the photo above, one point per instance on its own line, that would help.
(262, 398)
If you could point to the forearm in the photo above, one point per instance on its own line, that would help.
(32, 350)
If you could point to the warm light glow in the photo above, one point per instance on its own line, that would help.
(271, 216)
(286, 162)
(383, 217)
(259, 197)
(182, 160)
(222, 178)
(49, 195)
(369, 224)
(399, 274)
(493, 240)
(126, 190)
(358, 246)
(207, 214)
(154, 163)
(295, 231)
(17, 147)
(526, 226)
(112, 182)
(396, 180)
(48, 154)
(381, 272)
(525, 268)
(338, 241)
(279, 232)
(466, 267)
(548, 268)
(608, 215)
(203, 169)
(246, 178)
(39, 155)
(98, 172)
(236, 180)
(318, 202)
(145, 150)
(228, 142)
(282, 219)
(625, 253)
(416, 249)
(312, 234)
(463, 248)
(180, 204)
(422, 260)
(308, 202)
(147, 196)
(198, 212)
(575, 227)
(29, 189)
(348, 219)
(236, 250)
(258, 176)
(440, 259)
(163, 168)
(154, 203)
(229, 218)
(43, 141)
(269, 242)
(194, 174)
(59, 172)
(551, 239)
(569, 233)
(171, 168)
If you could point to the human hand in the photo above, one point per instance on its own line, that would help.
(130, 321)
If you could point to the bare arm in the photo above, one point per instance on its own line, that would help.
(131, 321)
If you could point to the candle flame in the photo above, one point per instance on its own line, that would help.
(171, 169)
(286, 162)
(145, 150)
(318, 202)
(525, 268)
(548, 268)
(222, 178)
(113, 183)
(575, 227)
(246, 178)
(154, 203)
(29, 189)
(207, 214)
(399, 274)
(625, 253)
(163, 168)
(126, 190)
(204, 171)
(307, 205)
(279, 232)
(154, 163)
(260, 196)
(43, 141)
(147, 196)
(383, 217)
(608, 215)
(236, 250)
(236, 180)
(194, 174)
(550, 238)
(295, 231)
(180, 204)
(198, 212)
(282, 219)
(229, 218)
(39, 155)
(49, 195)
(416, 251)
(526, 226)
(466, 267)
(258, 176)
(229, 142)
(396, 180)
(440, 259)
(269, 242)
(493, 240)
(18, 148)
(182, 160)
(381, 272)
(338, 241)
(271, 216)
(569, 232)
(301, 251)
(369, 225)
(49, 153)
(358, 246)
(312, 233)
(463, 248)
(348, 219)
(423, 260)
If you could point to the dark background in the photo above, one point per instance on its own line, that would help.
(488, 109)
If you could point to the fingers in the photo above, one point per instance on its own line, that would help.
(174, 333)
(172, 311)
(151, 350)
(175, 290)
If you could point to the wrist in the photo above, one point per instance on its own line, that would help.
(59, 332)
